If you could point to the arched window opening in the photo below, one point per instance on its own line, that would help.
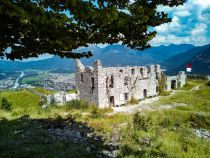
(133, 71)
(173, 84)
(142, 71)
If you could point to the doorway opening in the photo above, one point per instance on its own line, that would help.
(173, 84)
(111, 101)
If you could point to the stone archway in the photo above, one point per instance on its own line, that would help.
(173, 84)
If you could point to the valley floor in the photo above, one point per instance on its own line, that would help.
(171, 126)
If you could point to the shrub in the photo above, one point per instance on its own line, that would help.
(52, 100)
(97, 113)
(77, 104)
(208, 83)
(140, 122)
(133, 101)
(164, 93)
(5, 104)
(42, 101)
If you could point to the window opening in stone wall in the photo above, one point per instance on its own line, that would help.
(145, 93)
(133, 71)
(155, 68)
(92, 84)
(82, 78)
(121, 70)
(157, 89)
(142, 71)
(157, 76)
(111, 81)
(126, 81)
(126, 96)
(107, 84)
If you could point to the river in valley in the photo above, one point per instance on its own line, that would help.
(17, 84)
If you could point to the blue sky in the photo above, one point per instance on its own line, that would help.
(190, 24)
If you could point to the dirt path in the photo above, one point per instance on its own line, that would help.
(147, 105)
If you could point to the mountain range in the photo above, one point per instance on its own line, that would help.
(172, 57)
(199, 57)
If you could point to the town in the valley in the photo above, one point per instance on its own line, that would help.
(103, 86)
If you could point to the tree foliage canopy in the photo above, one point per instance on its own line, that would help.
(34, 27)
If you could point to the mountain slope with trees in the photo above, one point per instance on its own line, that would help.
(197, 56)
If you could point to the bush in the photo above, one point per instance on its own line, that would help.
(140, 122)
(77, 104)
(208, 83)
(5, 104)
(97, 113)
(133, 101)
(164, 93)
(42, 101)
(53, 101)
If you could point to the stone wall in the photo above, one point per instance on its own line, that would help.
(172, 82)
(114, 86)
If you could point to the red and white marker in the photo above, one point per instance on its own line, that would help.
(189, 67)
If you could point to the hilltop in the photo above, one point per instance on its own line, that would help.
(173, 126)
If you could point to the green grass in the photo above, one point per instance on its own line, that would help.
(43, 91)
(22, 102)
(37, 79)
(72, 91)
(170, 133)
(163, 133)
(192, 83)
(197, 101)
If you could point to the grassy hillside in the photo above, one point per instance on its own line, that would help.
(78, 129)
(171, 133)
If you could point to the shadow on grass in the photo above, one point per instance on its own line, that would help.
(48, 138)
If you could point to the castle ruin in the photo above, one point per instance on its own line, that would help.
(114, 86)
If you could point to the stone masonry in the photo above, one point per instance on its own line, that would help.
(173, 82)
(114, 86)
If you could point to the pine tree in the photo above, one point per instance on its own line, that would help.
(5, 104)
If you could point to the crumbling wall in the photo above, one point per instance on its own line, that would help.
(173, 82)
(116, 85)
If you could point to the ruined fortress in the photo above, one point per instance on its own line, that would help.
(114, 86)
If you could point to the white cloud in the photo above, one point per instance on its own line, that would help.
(200, 29)
(182, 13)
(172, 26)
(190, 24)
(202, 3)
